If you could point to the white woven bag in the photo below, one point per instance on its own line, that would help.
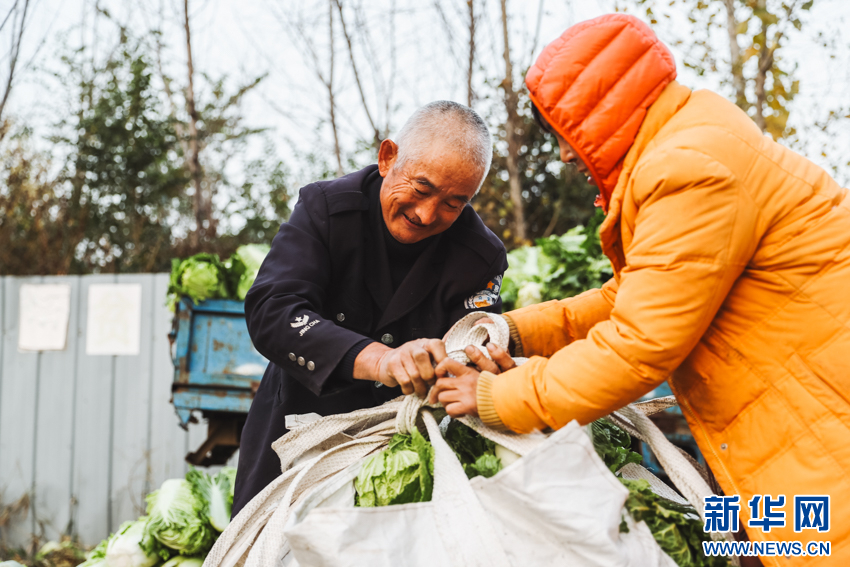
(307, 513)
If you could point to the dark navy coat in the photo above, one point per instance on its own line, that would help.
(326, 285)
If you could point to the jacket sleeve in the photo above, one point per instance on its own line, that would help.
(694, 232)
(546, 328)
(282, 308)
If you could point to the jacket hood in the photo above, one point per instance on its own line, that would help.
(594, 84)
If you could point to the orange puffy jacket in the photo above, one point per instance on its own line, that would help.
(731, 256)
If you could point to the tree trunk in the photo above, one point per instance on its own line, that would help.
(737, 66)
(470, 94)
(511, 126)
(203, 207)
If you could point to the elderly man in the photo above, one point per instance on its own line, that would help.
(369, 268)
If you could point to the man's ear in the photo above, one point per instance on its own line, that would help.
(387, 155)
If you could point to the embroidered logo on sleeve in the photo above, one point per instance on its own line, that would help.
(486, 297)
(300, 321)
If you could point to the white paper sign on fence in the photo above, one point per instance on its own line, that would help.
(44, 311)
(114, 319)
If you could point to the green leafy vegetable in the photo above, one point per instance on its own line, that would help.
(243, 266)
(182, 561)
(476, 453)
(199, 277)
(131, 547)
(612, 444)
(178, 518)
(556, 267)
(676, 528)
(230, 474)
(215, 491)
(402, 473)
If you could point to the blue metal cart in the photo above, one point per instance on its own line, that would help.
(217, 371)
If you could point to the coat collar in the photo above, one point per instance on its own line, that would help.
(420, 280)
(662, 110)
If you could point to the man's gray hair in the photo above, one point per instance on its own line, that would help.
(450, 124)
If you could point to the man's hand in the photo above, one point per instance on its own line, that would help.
(502, 361)
(457, 393)
(408, 366)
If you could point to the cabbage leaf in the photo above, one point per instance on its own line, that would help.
(216, 493)
(242, 268)
(130, 547)
(198, 277)
(178, 518)
(400, 474)
(676, 528)
(613, 445)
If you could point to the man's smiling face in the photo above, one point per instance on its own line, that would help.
(426, 194)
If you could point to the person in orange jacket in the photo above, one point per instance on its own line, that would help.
(731, 258)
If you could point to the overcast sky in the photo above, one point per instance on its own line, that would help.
(247, 38)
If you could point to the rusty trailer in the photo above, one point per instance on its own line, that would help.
(217, 371)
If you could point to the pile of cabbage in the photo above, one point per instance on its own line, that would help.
(205, 276)
(183, 520)
(555, 268)
(404, 473)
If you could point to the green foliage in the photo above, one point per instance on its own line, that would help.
(759, 80)
(38, 229)
(476, 453)
(676, 528)
(612, 444)
(400, 474)
(124, 172)
(556, 268)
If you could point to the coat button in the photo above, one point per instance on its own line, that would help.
(292, 356)
(340, 317)
(387, 339)
(723, 446)
(301, 361)
(311, 365)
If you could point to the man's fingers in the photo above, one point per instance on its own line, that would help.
(422, 359)
(399, 373)
(478, 359)
(483, 321)
(501, 356)
(414, 377)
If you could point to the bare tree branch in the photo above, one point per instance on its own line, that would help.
(203, 206)
(18, 27)
(340, 171)
(347, 36)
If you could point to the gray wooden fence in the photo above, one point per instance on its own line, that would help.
(85, 438)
